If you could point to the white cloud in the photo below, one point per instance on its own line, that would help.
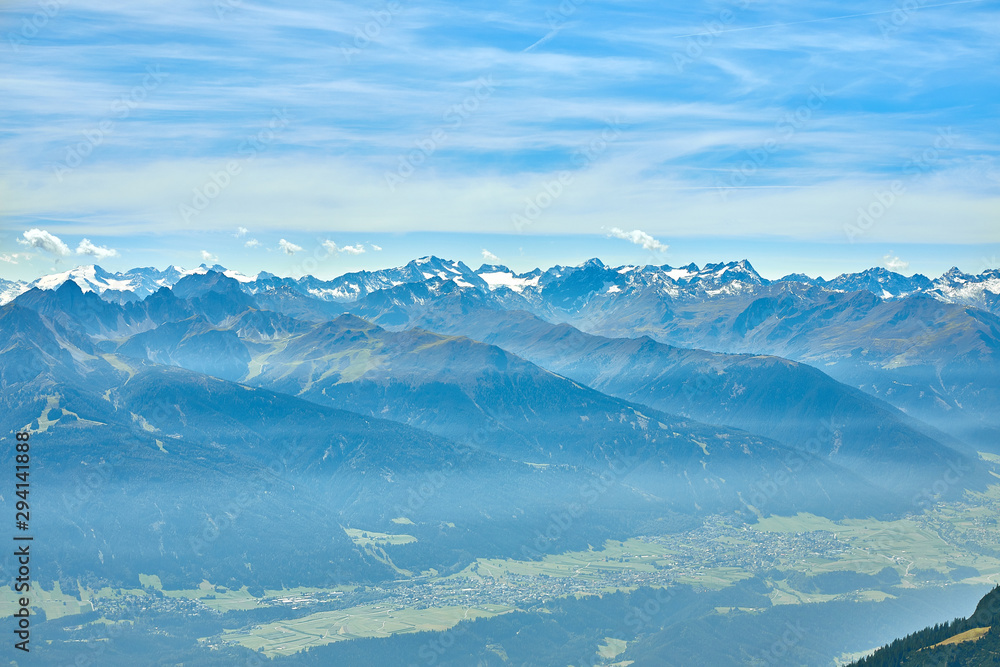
(39, 238)
(206, 256)
(10, 259)
(252, 243)
(241, 232)
(639, 237)
(376, 248)
(333, 248)
(288, 247)
(490, 257)
(601, 197)
(895, 263)
(672, 134)
(97, 251)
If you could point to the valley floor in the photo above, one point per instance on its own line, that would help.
(803, 559)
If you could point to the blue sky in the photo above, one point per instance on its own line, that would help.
(816, 137)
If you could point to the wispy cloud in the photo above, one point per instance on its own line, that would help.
(96, 251)
(288, 247)
(894, 79)
(356, 249)
(895, 263)
(490, 257)
(208, 257)
(639, 237)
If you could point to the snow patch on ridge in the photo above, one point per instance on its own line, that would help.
(509, 280)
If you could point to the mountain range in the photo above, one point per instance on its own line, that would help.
(475, 406)
(954, 286)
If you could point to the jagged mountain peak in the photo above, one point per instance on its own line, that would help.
(433, 261)
(881, 282)
(742, 266)
(493, 268)
(353, 321)
(590, 277)
(801, 278)
(954, 274)
(196, 284)
(593, 263)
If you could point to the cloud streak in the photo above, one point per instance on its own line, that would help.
(639, 237)
(890, 92)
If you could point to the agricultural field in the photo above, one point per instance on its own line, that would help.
(366, 538)
(949, 543)
(286, 637)
(615, 556)
(54, 603)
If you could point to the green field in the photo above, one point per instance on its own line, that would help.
(633, 554)
(54, 603)
(364, 538)
(611, 648)
(286, 637)
(935, 540)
